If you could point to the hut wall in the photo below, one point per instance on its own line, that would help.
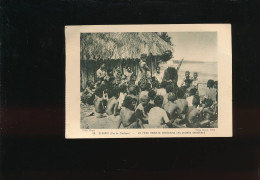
(88, 68)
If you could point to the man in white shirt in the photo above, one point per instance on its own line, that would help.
(157, 117)
(101, 73)
(158, 75)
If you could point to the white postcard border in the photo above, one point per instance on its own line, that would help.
(72, 99)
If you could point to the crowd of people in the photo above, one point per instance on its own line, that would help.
(150, 101)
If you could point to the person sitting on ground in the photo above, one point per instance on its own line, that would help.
(181, 103)
(151, 95)
(195, 80)
(170, 107)
(211, 92)
(192, 93)
(193, 114)
(187, 80)
(144, 90)
(157, 117)
(122, 90)
(127, 114)
(132, 91)
(162, 91)
(99, 103)
(142, 109)
(208, 114)
(112, 103)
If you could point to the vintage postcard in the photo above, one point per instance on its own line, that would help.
(148, 81)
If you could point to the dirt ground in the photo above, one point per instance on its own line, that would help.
(91, 122)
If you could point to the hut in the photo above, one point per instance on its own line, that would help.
(119, 49)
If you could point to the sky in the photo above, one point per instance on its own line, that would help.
(196, 46)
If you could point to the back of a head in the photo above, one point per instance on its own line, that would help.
(193, 92)
(210, 83)
(122, 88)
(116, 92)
(158, 100)
(170, 74)
(163, 84)
(147, 86)
(151, 94)
(127, 102)
(180, 93)
(155, 84)
(196, 100)
(110, 93)
(171, 97)
(169, 88)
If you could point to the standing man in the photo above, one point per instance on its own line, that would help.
(158, 75)
(101, 72)
(187, 80)
(195, 80)
(144, 74)
(128, 73)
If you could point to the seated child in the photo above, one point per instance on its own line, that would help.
(151, 95)
(157, 117)
(99, 103)
(211, 92)
(122, 90)
(127, 114)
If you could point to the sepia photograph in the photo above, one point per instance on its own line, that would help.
(149, 80)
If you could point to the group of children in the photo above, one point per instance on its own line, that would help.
(153, 104)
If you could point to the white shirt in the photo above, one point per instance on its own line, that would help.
(189, 99)
(157, 117)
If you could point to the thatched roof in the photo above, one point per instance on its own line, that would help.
(125, 45)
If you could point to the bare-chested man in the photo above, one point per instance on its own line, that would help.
(142, 109)
(170, 107)
(132, 91)
(99, 103)
(181, 102)
(127, 114)
(112, 103)
(193, 114)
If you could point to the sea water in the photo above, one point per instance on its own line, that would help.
(205, 70)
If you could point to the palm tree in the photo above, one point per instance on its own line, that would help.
(165, 37)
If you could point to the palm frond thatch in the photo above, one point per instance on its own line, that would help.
(114, 46)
